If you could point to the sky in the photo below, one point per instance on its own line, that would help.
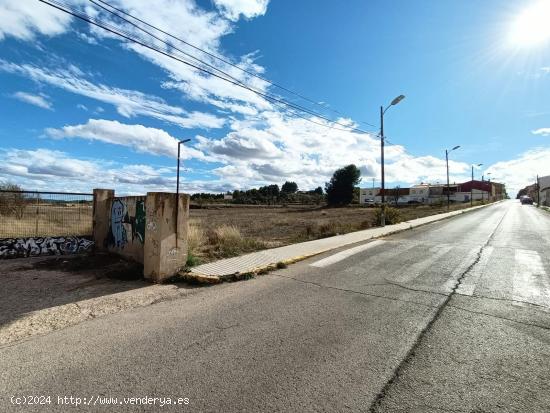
(81, 108)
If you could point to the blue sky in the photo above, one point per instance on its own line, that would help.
(83, 109)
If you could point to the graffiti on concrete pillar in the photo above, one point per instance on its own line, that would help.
(29, 247)
(126, 220)
(118, 232)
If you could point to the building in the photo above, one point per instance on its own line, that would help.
(544, 190)
(228, 197)
(420, 193)
(478, 190)
(395, 195)
(424, 193)
(374, 195)
(367, 195)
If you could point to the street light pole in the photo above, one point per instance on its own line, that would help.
(448, 186)
(383, 180)
(178, 187)
(472, 186)
(382, 184)
(490, 191)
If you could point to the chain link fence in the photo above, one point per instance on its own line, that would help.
(45, 214)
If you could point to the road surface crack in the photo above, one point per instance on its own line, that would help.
(353, 291)
(499, 317)
(510, 300)
(410, 354)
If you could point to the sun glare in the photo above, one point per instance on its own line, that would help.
(532, 26)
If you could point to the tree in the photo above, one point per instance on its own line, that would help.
(396, 195)
(340, 188)
(318, 190)
(289, 187)
(12, 202)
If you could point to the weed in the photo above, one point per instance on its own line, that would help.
(281, 265)
(392, 216)
(192, 260)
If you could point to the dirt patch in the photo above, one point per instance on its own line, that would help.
(101, 265)
(42, 294)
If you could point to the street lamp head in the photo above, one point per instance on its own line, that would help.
(185, 140)
(456, 147)
(479, 164)
(397, 100)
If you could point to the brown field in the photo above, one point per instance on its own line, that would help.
(218, 232)
(48, 220)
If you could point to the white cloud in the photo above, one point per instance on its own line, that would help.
(37, 100)
(140, 138)
(129, 103)
(23, 19)
(87, 38)
(232, 9)
(521, 171)
(541, 131)
(44, 169)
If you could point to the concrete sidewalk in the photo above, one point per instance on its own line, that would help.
(236, 267)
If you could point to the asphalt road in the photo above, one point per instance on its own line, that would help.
(453, 316)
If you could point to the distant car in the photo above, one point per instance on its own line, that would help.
(526, 200)
(369, 202)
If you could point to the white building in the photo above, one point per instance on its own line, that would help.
(420, 193)
(368, 195)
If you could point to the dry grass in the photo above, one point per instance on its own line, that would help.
(236, 230)
(48, 220)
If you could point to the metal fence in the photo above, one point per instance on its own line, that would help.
(45, 214)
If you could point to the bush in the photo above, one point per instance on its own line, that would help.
(12, 203)
(393, 216)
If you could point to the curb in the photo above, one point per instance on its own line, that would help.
(206, 279)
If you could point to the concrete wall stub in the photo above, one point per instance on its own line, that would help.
(126, 234)
(101, 215)
(164, 255)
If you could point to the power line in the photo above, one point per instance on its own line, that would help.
(127, 36)
(201, 61)
(104, 3)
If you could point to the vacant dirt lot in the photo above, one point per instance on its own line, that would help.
(218, 232)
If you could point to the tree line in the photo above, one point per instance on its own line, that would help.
(339, 191)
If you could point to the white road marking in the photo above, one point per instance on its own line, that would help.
(342, 255)
(530, 282)
(412, 271)
(469, 284)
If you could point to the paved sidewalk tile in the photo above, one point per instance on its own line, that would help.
(261, 259)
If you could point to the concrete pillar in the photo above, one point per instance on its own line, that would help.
(103, 199)
(164, 254)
